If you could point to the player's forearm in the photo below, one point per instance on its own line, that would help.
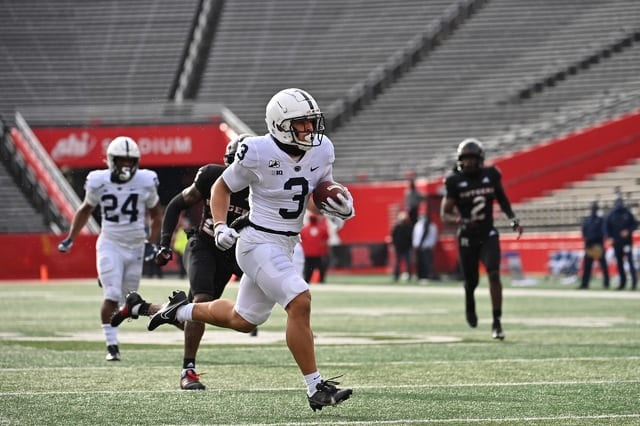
(170, 220)
(219, 201)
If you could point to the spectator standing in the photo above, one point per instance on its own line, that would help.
(594, 235)
(424, 239)
(412, 200)
(125, 194)
(315, 246)
(401, 235)
(179, 245)
(620, 224)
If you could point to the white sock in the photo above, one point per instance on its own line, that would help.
(110, 334)
(185, 313)
(312, 380)
(136, 309)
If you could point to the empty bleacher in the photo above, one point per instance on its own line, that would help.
(565, 206)
(457, 91)
(90, 53)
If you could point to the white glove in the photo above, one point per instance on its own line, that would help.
(65, 245)
(225, 237)
(343, 210)
(336, 221)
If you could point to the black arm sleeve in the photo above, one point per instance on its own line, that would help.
(170, 219)
(505, 205)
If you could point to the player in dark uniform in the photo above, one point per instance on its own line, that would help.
(209, 268)
(470, 191)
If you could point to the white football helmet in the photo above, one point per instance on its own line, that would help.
(123, 147)
(288, 106)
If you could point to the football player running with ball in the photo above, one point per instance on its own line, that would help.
(208, 267)
(470, 191)
(124, 194)
(281, 168)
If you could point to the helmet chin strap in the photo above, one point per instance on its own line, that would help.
(289, 149)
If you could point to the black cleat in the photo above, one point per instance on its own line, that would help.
(113, 353)
(132, 300)
(496, 330)
(328, 394)
(190, 380)
(472, 318)
(167, 314)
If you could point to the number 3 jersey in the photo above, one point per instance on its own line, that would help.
(123, 206)
(279, 185)
(474, 195)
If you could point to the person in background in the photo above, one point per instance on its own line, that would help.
(412, 200)
(401, 235)
(315, 245)
(209, 268)
(620, 224)
(424, 239)
(125, 194)
(471, 188)
(179, 245)
(594, 235)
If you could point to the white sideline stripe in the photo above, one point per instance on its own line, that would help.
(445, 421)
(419, 386)
(456, 289)
(353, 364)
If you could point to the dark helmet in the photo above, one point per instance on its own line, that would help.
(232, 147)
(470, 148)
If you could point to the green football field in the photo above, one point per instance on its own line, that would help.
(569, 358)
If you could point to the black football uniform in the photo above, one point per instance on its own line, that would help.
(208, 267)
(474, 195)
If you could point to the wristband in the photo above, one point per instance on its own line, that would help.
(220, 222)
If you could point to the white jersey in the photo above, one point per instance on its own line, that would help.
(123, 205)
(279, 186)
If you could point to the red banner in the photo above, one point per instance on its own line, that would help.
(166, 145)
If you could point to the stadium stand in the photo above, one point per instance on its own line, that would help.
(401, 82)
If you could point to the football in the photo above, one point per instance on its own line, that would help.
(327, 189)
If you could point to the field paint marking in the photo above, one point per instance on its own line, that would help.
(296, 389)
(356, 364)
(174, 283)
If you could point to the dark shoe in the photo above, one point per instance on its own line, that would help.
(113, 353)
(328, 394)
(254, 332)
(620, 287)
(472, 318)
(496, 330)
(132, 300)
(190, 380)
(167, 313)
(582, 287)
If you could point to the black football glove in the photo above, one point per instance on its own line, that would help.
(240, 222)
(515, 225)
(163, 255)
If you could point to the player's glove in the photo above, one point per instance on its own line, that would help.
(225, 237)
(65, 245)
(163, 255)
(343, 210)
(515, 225)
(240, 223)
(337, 222)
(150, 251)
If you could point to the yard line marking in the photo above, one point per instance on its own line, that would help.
(297, 389)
